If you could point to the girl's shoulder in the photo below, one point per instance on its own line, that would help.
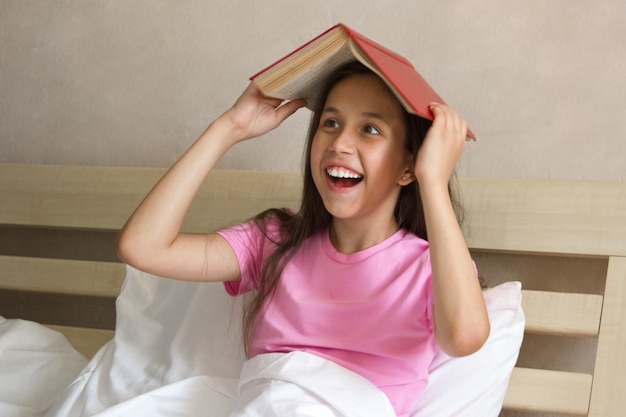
(409, 238)
(407, 245)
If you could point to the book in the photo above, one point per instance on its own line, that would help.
(301, 73)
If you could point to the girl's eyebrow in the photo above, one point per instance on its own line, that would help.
(371, 115)
(367, 114)
(330, 110)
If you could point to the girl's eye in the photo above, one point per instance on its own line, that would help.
(372, 130)
(330, 123)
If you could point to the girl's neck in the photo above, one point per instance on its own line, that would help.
(353, 236)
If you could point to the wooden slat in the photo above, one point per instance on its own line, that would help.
(544, 391)
(546, 216)
(86, 341)
(589, 218)
(91, 197)
(609, 386)
(61, 276)
(62, 309)
(563, 314)
(67, 196)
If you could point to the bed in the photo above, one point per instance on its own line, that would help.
(82, 334)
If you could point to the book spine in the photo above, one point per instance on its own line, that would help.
(363, 39)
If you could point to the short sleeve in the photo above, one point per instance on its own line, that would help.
(251, 246)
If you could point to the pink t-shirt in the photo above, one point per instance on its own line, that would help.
(368, 311)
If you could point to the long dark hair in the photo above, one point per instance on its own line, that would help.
(313, 216)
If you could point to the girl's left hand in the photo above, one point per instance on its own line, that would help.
(442, 147)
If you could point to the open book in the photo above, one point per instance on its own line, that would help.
(302, 73)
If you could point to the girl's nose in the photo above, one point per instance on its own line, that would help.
(343, 142)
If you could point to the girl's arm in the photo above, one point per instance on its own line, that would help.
(151, 240)
(460, 315)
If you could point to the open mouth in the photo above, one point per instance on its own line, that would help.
(343, 178)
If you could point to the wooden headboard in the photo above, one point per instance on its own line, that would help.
(518, 217)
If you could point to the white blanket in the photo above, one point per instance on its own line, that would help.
(294, 384)
(36, 364)
(299, 384)
(192, 397)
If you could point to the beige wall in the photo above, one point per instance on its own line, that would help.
(134, 82)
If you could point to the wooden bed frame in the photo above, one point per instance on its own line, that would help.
(514, 217)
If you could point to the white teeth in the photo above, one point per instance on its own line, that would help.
(342, 173)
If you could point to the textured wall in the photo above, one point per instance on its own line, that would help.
(134, 83)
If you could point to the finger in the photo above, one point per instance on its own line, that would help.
(444, 119)
(438, 115)
(274, 102)
(461, 126)
(289, 108)
(464, 129)
(256, 91)
(449, 119)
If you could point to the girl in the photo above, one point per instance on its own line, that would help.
(372, 273)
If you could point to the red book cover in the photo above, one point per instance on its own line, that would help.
(400, 73)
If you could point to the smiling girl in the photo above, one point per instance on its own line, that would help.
(372, 273)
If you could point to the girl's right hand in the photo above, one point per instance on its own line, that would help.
(255, 114)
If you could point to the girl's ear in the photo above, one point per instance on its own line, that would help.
(408, 176)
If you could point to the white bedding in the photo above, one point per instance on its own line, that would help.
(36, 364)
(294, 384)
(177, 352)
(299, 384)
(190, 397)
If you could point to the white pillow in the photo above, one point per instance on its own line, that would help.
(475, 385)
(169, 330)
(36, 364)
(165, 331)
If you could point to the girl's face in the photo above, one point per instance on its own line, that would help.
(358, 157)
